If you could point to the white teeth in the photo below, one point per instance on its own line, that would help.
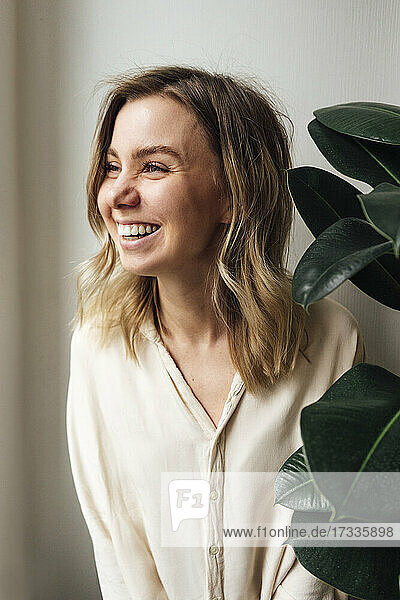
(135, 229)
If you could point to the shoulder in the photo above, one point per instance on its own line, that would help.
(334, 332)
(84, 340)
(90, 365)
(87, 351)
(330, 314)
(104, 357)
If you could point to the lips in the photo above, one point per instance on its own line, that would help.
(135, 223)
(130, 243)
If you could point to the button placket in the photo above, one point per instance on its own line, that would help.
(225, 413)
(215, 554)
(216, 467)
(231, 401)
(213, 550)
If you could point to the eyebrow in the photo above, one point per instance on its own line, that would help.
(148, 150)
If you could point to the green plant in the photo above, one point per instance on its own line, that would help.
(357, 238)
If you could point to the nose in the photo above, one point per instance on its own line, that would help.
(125, 195)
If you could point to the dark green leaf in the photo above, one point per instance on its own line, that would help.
(382, 209)
(342, 250)
(368, 120)
(359, 159)
(364, 572)
(322, 199)
(354, 429)
(294, 487)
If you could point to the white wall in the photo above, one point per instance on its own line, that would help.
(312, 53)
(13, 558)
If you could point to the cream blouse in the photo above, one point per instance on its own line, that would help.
(126, 425)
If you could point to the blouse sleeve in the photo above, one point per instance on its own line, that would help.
(297, 582)
(301, 584)
(360, 354)
(89, 474)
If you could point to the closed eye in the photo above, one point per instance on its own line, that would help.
(155, 166)
(110, 167)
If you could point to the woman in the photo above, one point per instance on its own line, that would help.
(188, 353)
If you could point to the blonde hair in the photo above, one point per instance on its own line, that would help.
(251, 287)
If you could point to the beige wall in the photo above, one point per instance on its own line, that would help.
(13, 557)
(312, 53)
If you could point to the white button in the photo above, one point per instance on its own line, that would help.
(214, 495)
(213, 550)
(217, 598)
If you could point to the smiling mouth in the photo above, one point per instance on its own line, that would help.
(139, 236)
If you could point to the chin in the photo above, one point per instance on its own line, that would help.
(137, 270)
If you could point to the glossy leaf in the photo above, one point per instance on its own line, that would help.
(339, 431)
(382, 209)
(359, 159)
(369, 573)
(369, 120)
(295, 489)
(322, 199)
(355, 428)
(342, 250)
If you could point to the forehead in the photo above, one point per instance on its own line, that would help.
(157, 120)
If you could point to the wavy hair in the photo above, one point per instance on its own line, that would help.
(250, 283)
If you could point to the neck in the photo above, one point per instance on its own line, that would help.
(186, 313)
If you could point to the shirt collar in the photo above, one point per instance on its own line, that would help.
(148, 329)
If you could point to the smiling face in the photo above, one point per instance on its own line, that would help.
(171, 187)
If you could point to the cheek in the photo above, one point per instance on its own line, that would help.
(103, 206)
